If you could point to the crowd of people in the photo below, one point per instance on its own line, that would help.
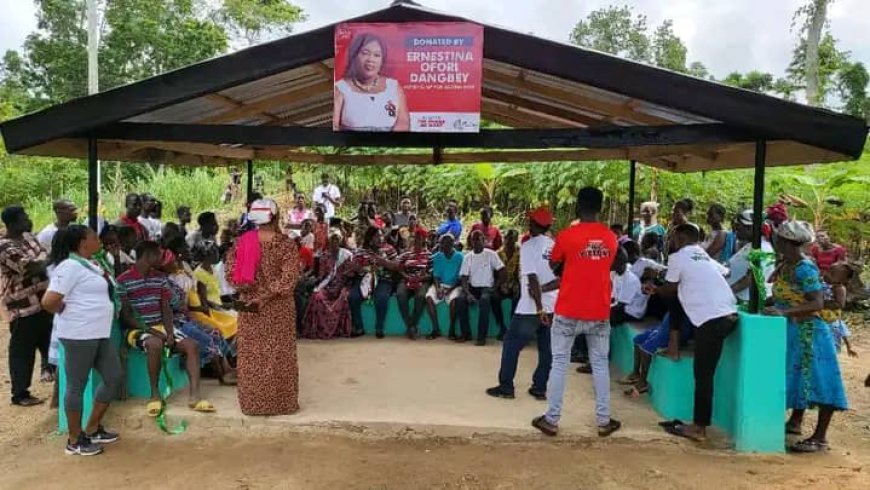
(232, 300)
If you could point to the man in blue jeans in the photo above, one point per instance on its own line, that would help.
(585, 251)
(538, 290)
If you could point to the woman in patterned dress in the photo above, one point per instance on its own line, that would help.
(328, 313)
(264, 266)
(813, 373)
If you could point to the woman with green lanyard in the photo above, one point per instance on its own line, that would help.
(82, 296)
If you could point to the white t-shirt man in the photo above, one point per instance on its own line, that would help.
(739, 265)
(535, 259)
(153, 226)
(703, 290)
(88, 310)
(481, 268)
(627, 290)
(330, 190)
(45, 236)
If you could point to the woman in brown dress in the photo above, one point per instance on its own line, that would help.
(264, 267)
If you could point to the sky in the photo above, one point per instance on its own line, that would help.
(726, 35)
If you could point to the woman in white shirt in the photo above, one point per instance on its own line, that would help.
(365, 99)
(81, 295)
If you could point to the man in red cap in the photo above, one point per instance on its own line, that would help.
(539, 288)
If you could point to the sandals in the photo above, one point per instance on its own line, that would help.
(153, 407)
(809, 446)
(611, 427)
(636, 392)
(47, 376)
(202, 406)
(792, 430)
(681, 430)
(629, 380)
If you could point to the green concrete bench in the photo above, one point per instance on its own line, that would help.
(395, 326)
(749, 387)
(138, 385)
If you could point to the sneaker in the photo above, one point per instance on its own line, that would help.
(542, 425)
(538, 395)
(83, 447)
(102, 436)
(497, 392)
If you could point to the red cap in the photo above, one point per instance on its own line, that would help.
(541, 216)
(421, 232)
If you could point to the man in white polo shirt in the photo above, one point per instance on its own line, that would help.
(480, 275)
(539, 288)
(327, 195)
(709, 303)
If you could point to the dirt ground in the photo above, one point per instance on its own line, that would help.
(405, 456)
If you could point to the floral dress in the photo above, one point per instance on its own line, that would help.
(812, 369)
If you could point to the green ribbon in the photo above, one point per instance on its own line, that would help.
(161, 417)
(758, 259)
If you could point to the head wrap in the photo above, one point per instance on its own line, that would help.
(262, 211)
(653, 206)
(777, 213)
(796, 231)
(745, 217)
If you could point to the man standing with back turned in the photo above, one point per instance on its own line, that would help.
(586, 251)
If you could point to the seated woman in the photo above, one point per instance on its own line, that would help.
(206, 306)
(145, 298)
(298, 213)
(328, 313)
(415, 266)
(373, 266)
(213, 349)
(320, 229)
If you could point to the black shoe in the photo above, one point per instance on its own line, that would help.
(584, 369)
(357, 333)
(611, 427)
(434, 335)
(497, 392)
(83, 447)
(542, 425)
(379, 334)
(538, 395)
(480, 342)
(28, 401)
(412, 333)
(102, 436)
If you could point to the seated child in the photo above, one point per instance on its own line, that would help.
(628, 301)
(146, 312)
(646, 345)
(836, 278)
(208, 306)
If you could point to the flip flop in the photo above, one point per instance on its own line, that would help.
(671, 423)
(153, 408)
(809, 446)
(635, 392)
(628, 380)
(202, 406)
(679, 430)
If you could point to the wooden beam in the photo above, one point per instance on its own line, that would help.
(203, 149)
(516, 119)
(606, 137)
(541, 108)
(296, 118)
(524, 85)
(270, 103)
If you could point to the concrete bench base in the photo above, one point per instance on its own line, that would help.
(749, 387)
(395, 326)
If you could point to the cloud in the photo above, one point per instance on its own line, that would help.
(726, 35)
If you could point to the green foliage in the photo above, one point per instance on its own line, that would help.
(831, 61)
(852, 82)
(253, 19)
(619, 31)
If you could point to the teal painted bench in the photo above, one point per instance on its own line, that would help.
(395, 326)
(749, 389)
(138, 385)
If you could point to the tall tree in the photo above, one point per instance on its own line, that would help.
(253, 20)
(816, 14)
(614, 30)
(668, 50)
(830, 59)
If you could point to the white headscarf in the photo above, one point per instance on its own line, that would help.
(262, 211)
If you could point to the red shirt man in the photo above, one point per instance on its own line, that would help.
(826, 253)
(585, 251)
(492, 238)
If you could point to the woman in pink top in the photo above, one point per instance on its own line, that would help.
(298, 213)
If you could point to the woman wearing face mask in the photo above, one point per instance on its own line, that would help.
(366, 99)
(263, 265)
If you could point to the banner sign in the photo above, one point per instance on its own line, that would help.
(421, 77)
